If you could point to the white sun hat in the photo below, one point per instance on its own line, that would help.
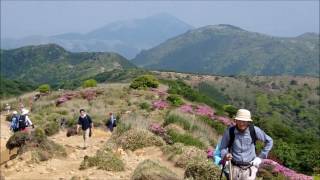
(24, 111)
(243, 115)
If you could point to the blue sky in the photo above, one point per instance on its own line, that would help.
(278, 18)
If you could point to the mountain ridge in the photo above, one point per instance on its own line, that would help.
(228, 50)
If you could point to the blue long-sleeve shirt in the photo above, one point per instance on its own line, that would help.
(243, 150)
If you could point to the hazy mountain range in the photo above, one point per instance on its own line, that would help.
(127, 38)
(230, 50)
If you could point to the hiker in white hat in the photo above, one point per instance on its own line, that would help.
(24, 120)
(238, 146)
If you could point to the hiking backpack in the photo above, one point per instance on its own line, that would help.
(22, 122)
(252, 134)
(15, 122)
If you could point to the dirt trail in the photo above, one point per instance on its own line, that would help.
(66, 168)
(5, 135)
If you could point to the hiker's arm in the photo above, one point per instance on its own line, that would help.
(90, 121)
(224, 143)
(268, 142)
(28, 121)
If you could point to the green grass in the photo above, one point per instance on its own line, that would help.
(104, 159)
(176, 119)
(219, 127)
(185, 139)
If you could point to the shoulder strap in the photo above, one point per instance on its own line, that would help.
(253, 134)
(231, 135)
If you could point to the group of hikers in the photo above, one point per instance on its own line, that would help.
(235, 153)
(20, 121)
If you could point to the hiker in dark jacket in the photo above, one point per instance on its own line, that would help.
(111, 123)
(86, 125)
(241, 150)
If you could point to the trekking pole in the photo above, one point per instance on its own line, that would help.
(223, 166)
(230, 170)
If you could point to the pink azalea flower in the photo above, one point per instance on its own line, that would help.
(160, 104)
(225, 120)
(292, 175)
(186, 108)
(204, 111)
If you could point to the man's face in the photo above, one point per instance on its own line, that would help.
(82, 113)
(242, 125)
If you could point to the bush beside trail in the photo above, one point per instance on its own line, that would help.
(150, 170)
(43, 148)
(135, 139)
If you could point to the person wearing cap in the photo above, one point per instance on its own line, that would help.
(14, 126)
(24, 120)
(241, 151)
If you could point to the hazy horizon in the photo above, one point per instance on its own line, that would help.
(285, 18)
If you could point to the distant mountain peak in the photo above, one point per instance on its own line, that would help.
(309, 35)
(222, 27)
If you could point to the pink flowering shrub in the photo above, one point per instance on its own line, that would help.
(65, 97)
(201, 110)
(160, 104)
(225, 120)
(88, 94)
(210, 152)
(278, 168)
(157, 129)
(204, 111)
(186, 108)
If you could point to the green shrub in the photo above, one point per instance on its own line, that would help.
(18, 139)
(145, 81)
(185, 139)
(145, 106)
(182, 155)
(62, 111)
(121, 128)
(219, 127)
(51, 128)
(176, 119)
(39, 135)
(148, 169)
(231, 110)
(202, 170)
(175, 100)
(135, 139)
(104, 159)
(89, 83)
(172, 151)
(44, 88)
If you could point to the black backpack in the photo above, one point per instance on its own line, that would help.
(22, 122)
(252, 134)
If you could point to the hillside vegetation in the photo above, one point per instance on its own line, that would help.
(54, 65)
(286, 107)
(230, 50)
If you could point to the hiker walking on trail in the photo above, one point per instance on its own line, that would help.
(24, 120)
(111, 123)
(86, 125)
(238, 146)
(14, 126)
